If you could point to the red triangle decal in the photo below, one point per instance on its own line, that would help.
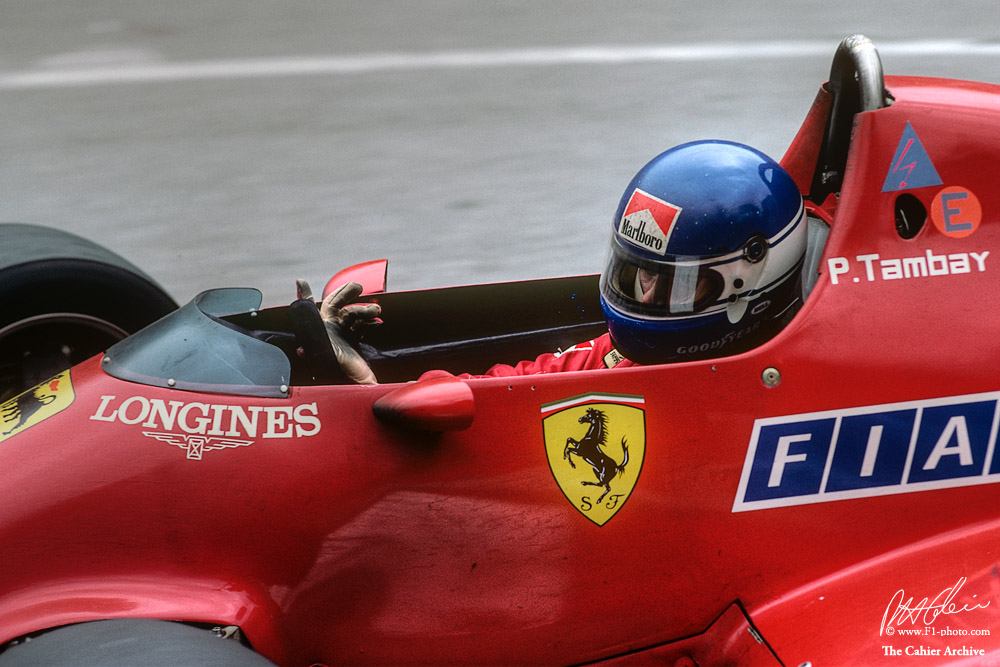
(664, 213)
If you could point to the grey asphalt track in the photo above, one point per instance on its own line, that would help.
(256, 142)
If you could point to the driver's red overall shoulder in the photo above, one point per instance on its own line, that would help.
(597, 353)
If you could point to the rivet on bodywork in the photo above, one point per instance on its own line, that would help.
(771, 377)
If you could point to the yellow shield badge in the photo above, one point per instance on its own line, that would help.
(36, 404)
(595, 444)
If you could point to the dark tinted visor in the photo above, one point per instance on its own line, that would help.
(659, 289)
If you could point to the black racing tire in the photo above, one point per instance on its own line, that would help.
(131, 642)
(64, 299)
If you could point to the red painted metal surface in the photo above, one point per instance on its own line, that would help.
(370, 275)
(437, 404)
(331, 537)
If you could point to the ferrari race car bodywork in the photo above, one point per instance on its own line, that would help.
(830, 496)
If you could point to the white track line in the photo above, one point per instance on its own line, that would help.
(156, 71)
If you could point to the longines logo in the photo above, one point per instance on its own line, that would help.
(196, 445)
(201, 427)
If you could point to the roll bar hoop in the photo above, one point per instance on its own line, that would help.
(856, 84)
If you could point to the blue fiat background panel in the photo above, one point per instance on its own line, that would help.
(870, 451)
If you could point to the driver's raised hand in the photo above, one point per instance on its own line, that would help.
(344, 320)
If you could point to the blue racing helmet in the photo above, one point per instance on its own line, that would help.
(706, 254)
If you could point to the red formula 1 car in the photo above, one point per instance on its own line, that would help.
(829, 498)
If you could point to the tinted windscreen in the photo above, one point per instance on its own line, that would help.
(193, 349)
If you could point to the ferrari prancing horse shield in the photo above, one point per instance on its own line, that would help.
(595, 444)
